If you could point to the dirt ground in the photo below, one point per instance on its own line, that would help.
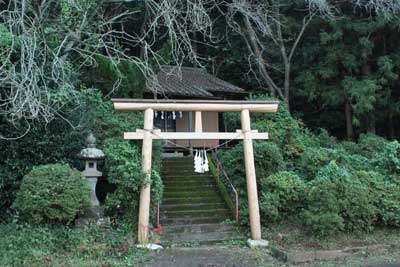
(242, 256)
(208, 257)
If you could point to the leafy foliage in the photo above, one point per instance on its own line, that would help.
(387, 161)
(313, 159)
(124, 171)
(348, 67)
(282, 194)
(124, 79)
(314, 179)
(57, 245)
(42, 145)
(52, 193)
(385, 195)
(337, 202)
(103, 120)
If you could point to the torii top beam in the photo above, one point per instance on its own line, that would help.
(194, 105)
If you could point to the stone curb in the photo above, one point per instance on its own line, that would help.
(307, 256)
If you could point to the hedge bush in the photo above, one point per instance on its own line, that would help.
(52, 193)
(313, 159)
(124, 171)
(336, 201)
(282, 194)
(387, 160)
(56, 141)
(385, 195)
(325, 184)
(42, 145)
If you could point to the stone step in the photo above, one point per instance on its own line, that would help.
(193, 206)
(200, 220)
(188, 188)
(186, 174)
(224, 212)
(178, 163)
(177, 158)
(186, 178)
(192, 200)
(182, 172)
(202, 238)
(185, 183)
(199, 228)
(197, 193)
(227, 231)
(169, 167)
(172, 161)
(196, 214)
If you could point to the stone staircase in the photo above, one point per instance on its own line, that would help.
(192, 209)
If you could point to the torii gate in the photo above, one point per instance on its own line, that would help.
(148, 134)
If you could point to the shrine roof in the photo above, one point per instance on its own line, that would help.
(191, 82)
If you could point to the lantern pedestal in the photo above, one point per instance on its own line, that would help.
(93, 216)
(92, 181)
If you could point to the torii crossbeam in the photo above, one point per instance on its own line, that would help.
(148, 134)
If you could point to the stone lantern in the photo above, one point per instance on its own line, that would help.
(95, 213)
(91, 155)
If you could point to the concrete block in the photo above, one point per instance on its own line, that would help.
(257, 243)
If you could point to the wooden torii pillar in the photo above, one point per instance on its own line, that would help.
(148, 134)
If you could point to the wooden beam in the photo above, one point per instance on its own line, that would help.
(176, 105)
(198, 126)
(157, 134)
(252, 195)
(144, 202)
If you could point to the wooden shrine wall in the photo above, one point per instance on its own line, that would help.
(210, 124)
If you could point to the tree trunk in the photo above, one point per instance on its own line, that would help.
(371, 123)
(143, 30)
(287, 85)
(349, 122)
(390, 125)
(370, 119)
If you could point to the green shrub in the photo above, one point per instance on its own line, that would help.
(267, 157)
(352, 162)
(57, 141)
(281, 194)
(313, 159)
(349, 146)
(59, 245)
(286, 132)
(387, 160)
(52, 193)
(336, 198)
(384, 194)
(103, 120)
(336, 202)
(44, 144)
(326, 140)
(268, 160)
(124, 171)
(369, 144)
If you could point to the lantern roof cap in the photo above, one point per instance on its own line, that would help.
(91, 152)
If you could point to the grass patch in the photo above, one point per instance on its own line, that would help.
(294, 236)
(26, 245)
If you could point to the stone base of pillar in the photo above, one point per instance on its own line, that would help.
(93, 216)
(149, 246)
(257, 243)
